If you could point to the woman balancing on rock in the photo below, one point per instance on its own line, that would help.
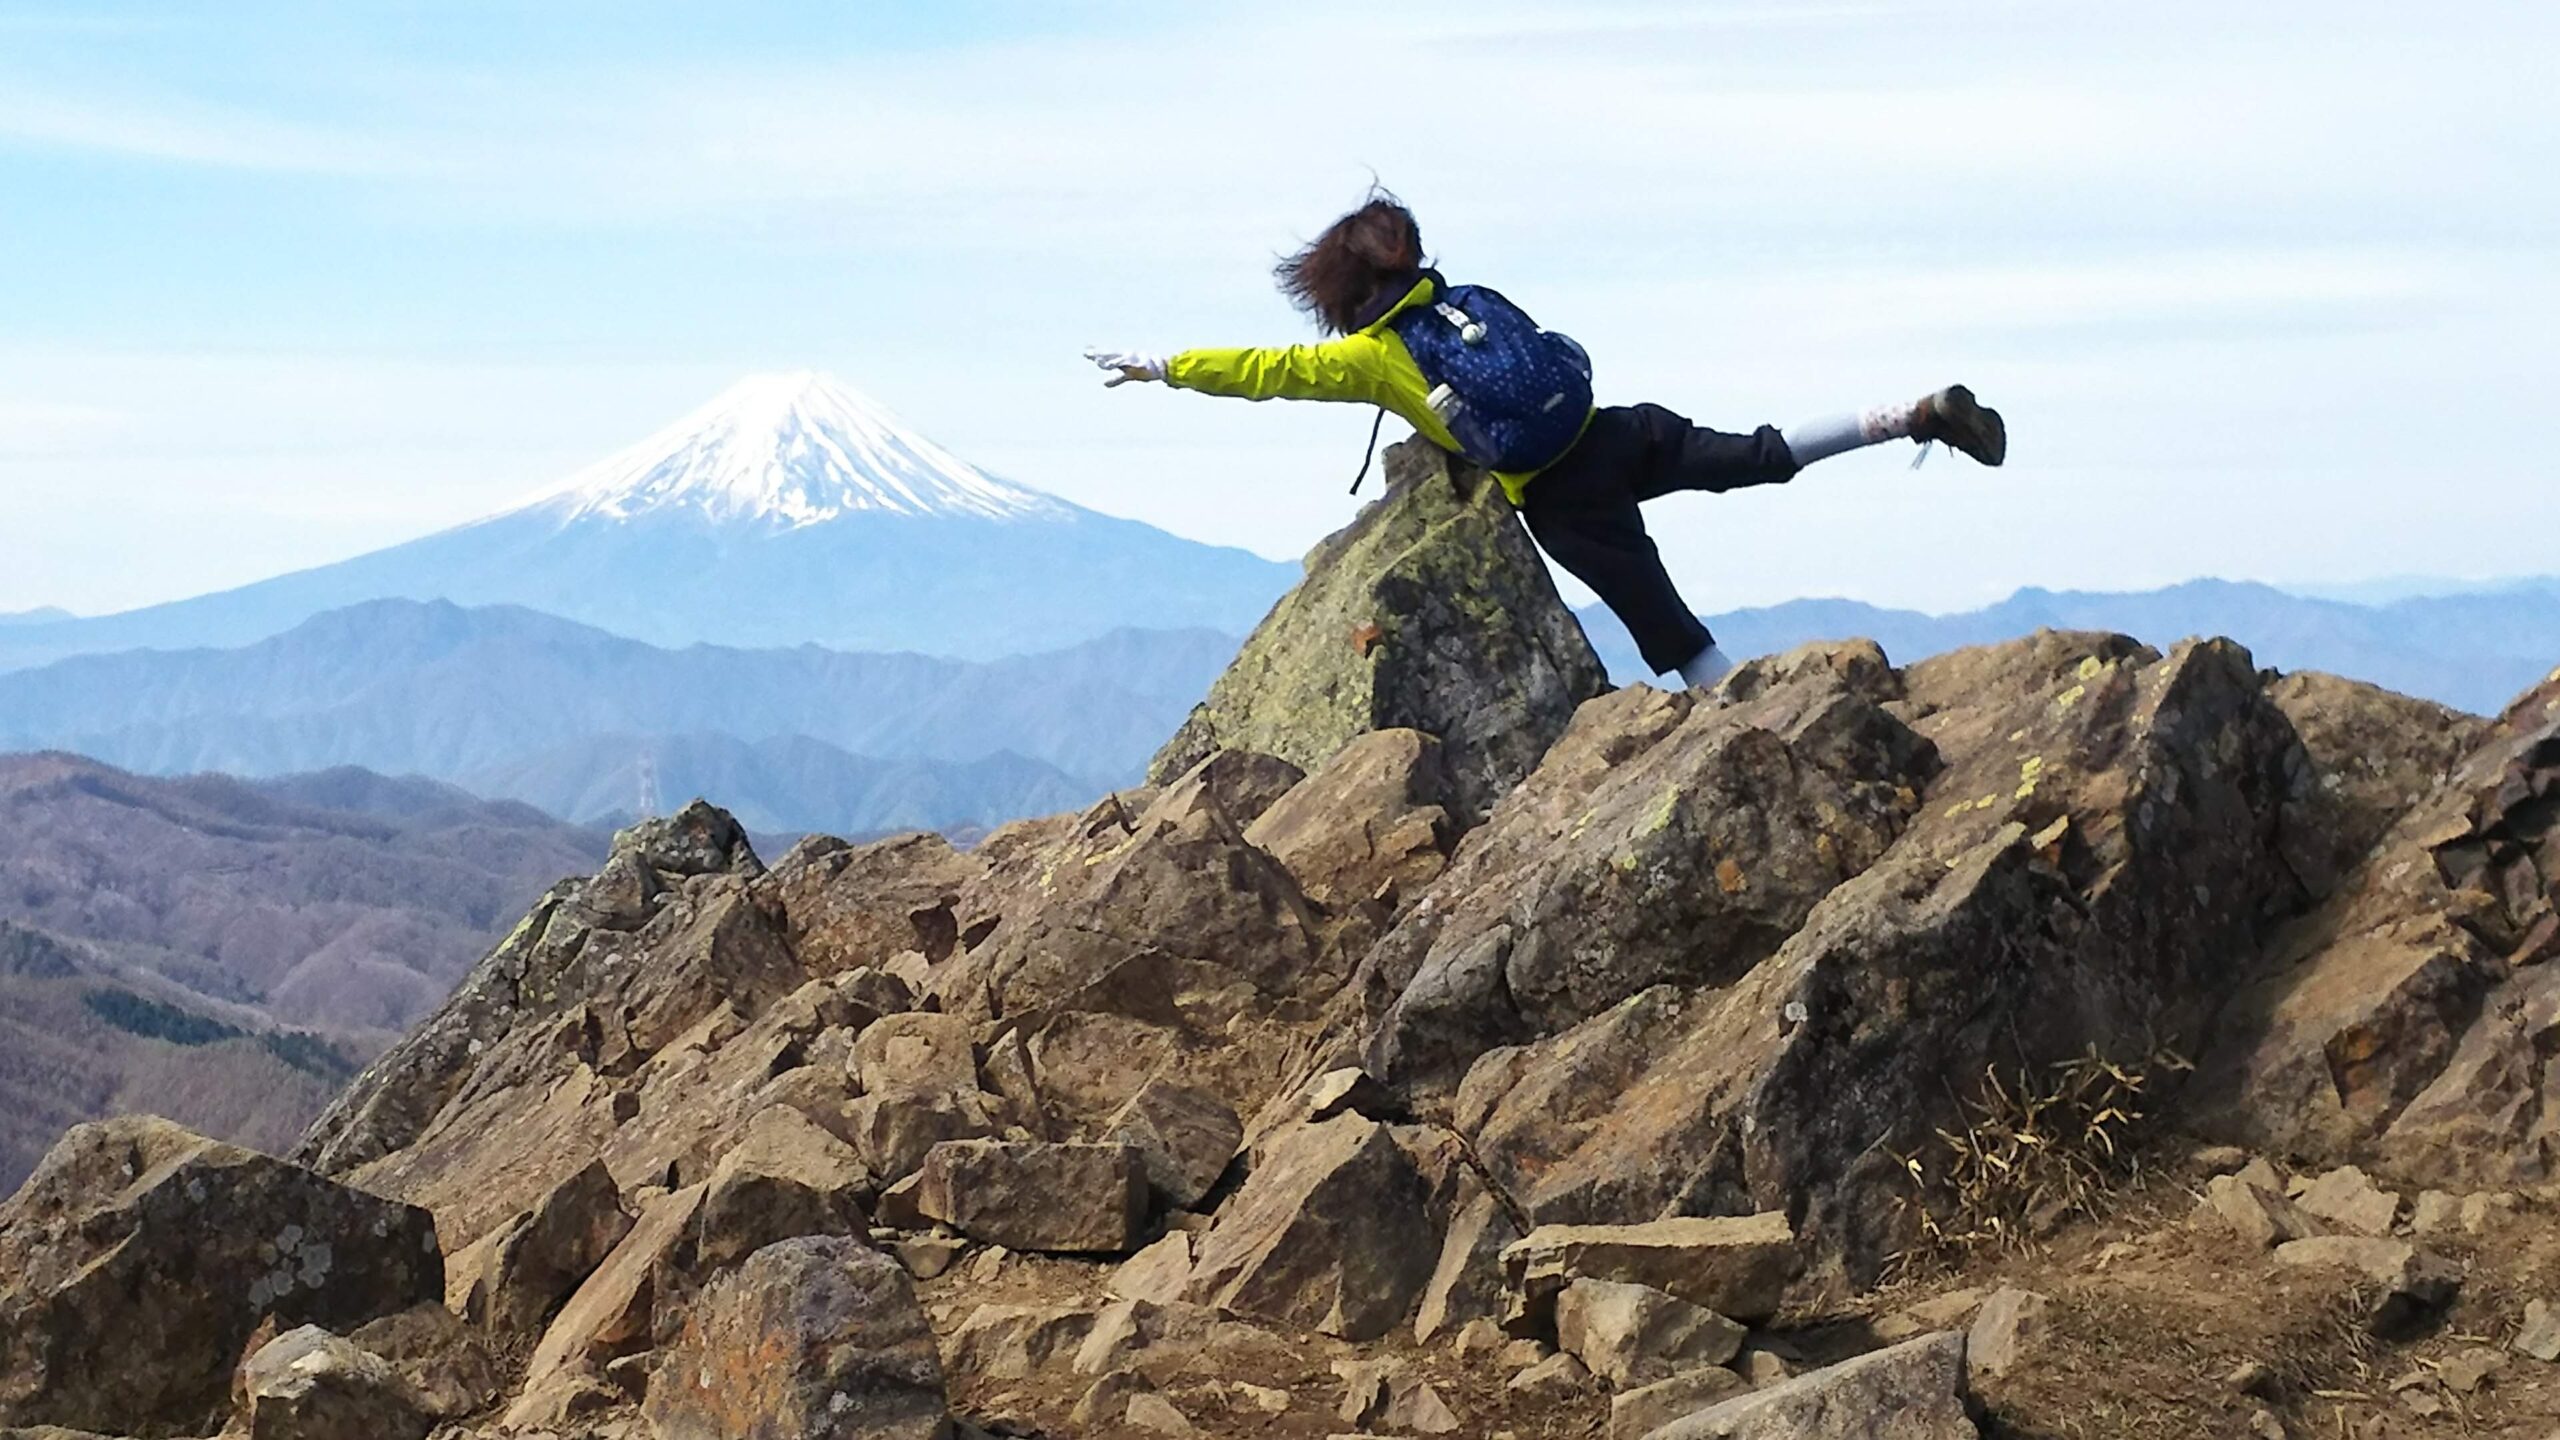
(1478, 378)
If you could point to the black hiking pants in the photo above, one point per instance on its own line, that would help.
(1583, 511)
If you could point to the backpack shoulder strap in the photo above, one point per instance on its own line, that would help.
(1370, 456)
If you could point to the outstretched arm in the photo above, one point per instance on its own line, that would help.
(1346, 369)
(1351, 368)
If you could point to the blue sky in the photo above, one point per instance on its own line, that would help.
(2266, 291)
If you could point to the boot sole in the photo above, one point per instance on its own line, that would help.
(1973, 428)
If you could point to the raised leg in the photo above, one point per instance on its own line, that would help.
(1951, 415)
(1600, 540)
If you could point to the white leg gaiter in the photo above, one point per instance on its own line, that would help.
(1705, 668)
(1836, 434)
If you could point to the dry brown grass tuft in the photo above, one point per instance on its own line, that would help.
(2037, 1149)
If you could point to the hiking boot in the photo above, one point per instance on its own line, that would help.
(1952, 416)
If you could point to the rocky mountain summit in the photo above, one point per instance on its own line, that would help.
(2054, 1038)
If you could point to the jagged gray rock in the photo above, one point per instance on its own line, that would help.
(1162, 914)
(1467, 1283)
(529, 973)
(851, 906)
(1184, 1137)
(785, 1177)
(2104, 839)
(308, 1384)
(1370, 825)
(2375, 754)
(455, 1369)
(1666, 841)
(1329, 1233)
(2410, 1017)
(1652, 1039)
(520, 1271)
(1634, 1335)
(818, 1337)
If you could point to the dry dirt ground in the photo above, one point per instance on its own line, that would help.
(2163, 1324)
(2158, 1315)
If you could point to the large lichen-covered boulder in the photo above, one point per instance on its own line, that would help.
(138, 1260)
(1431, 611)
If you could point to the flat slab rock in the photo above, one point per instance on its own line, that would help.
(1913, 1391)
(1034, 1196)
(1634, 1335)
(1639, 1412)
(1736, 1266)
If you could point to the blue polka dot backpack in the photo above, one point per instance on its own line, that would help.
(1513, 394)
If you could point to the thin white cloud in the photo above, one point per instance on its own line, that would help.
(2212, 285)
(80, 23)
(29, 427)
(1631, 115)
(168, 128)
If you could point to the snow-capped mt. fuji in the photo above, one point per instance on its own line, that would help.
(789, 510)
(789, 450)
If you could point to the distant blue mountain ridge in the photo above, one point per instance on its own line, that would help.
(2474, 650)
(512, 704)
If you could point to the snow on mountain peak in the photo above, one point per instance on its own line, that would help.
(792, 450)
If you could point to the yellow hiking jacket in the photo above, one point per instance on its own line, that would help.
(1369, 366)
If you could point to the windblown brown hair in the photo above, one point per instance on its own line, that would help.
(1338, 276)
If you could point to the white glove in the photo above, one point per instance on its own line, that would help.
(1128, 364)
